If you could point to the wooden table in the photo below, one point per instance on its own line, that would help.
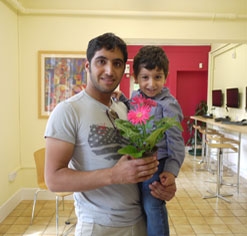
(231, 127)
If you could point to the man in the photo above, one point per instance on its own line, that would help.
(81, 150)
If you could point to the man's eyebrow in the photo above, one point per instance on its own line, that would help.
(119, 59)
(105, 58)
(101, 57)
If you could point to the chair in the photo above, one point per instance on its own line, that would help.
(205, 155)
(39, 157)
(197, 128)
(221, 143)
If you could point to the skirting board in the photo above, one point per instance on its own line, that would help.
(25, 194)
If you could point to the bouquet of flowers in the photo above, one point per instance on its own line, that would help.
(141, 130)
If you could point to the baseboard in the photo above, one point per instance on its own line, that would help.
(25, 194)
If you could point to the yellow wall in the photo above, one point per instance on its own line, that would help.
(22, 36)
(9, 102)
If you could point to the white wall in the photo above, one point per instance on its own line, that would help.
(228, 69)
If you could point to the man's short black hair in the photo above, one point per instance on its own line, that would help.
(108, 41)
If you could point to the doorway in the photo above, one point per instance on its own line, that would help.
(191, 90)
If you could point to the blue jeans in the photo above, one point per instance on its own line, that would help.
(155, 209)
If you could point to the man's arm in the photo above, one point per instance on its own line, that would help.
(60, 178)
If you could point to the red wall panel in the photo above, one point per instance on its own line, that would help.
(181, 58)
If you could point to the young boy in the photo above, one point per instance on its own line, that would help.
(150, 72)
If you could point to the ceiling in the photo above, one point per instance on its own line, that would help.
(231, 9)
(210, 10)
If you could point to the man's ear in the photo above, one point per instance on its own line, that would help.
(135, 79)
(87, 65)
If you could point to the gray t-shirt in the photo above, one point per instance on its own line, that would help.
(83, 121)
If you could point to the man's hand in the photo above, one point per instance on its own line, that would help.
(128, 170)
(166, 188)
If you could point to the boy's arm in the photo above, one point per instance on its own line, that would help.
(174, 140)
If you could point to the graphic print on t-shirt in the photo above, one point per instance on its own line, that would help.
(105, 140)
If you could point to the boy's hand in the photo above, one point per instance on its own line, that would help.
(116, 95)
(167, 178)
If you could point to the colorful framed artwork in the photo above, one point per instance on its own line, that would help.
(61, 75)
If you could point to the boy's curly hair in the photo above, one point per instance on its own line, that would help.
(151, 57)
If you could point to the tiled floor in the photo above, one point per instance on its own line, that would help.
(189, 214)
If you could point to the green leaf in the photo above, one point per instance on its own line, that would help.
(131, 150)
(168, 122)
(162, 126)
(154, 137)
(127, 129)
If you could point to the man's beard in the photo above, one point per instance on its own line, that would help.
(97, 85)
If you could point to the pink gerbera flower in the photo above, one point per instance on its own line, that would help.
(150, 102)
(137, 100)
(141, 101)
(138, 129)
(140, 115)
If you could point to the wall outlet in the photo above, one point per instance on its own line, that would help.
(12, 176)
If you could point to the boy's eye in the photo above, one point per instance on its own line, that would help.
(145, 77)
(158, 77)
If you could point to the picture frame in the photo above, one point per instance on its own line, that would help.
(62, 74)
